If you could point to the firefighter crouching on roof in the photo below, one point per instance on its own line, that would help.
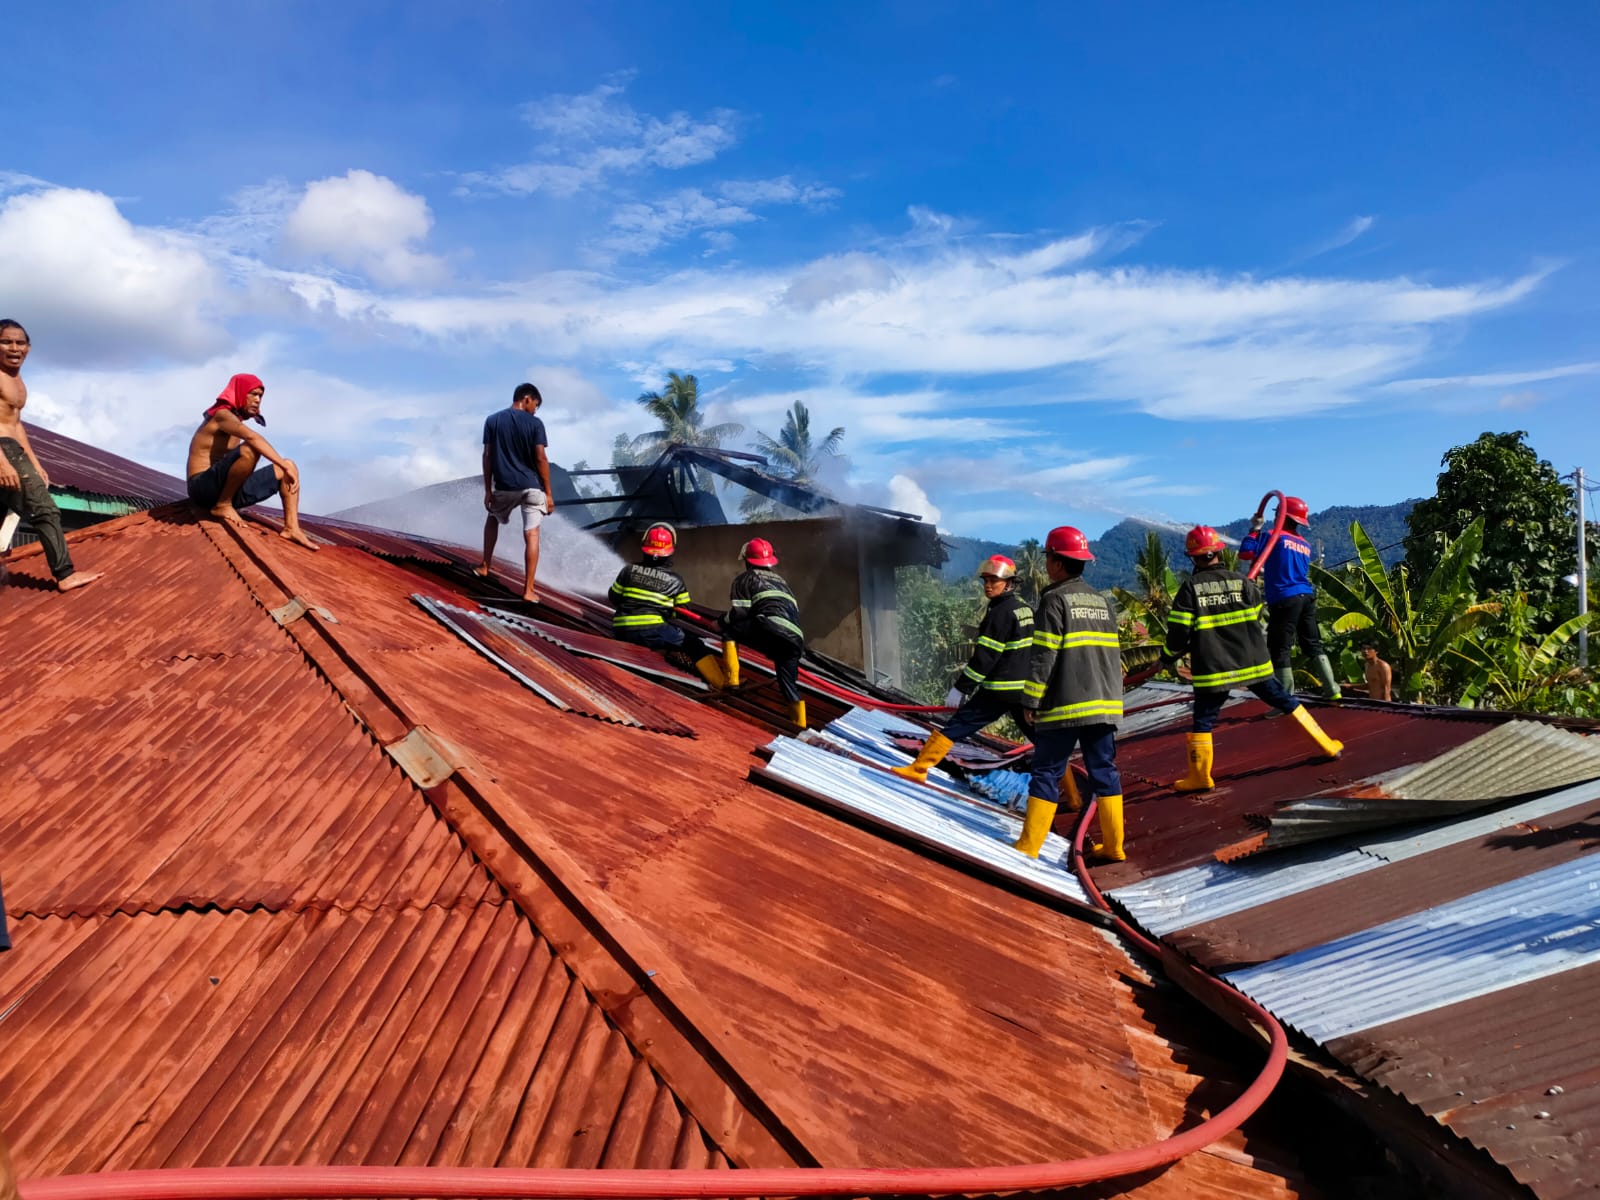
(1216, 621)
(1073, 694)
(646, 593)
(990, 685)
(762, 612)
(1291, 600)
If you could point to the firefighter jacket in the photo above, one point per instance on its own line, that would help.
(1075, 666)
(645, 594)
(999, 661)
(1288, 569)
(1216, 621)
(760, 601)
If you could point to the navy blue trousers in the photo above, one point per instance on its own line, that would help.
(1053, 747)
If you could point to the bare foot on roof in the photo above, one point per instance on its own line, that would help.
(481, 572)
(227, 514)
(77, 580)
(299, 537)
(530, 597)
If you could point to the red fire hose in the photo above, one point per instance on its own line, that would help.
(1266, 548)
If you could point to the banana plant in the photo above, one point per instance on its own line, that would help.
(1513, 668)
(1414, 627)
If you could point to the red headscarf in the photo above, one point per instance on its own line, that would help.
(236, 396)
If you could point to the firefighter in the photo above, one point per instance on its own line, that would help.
(1216, 621)
(1073, 695)
(990, 685)
(762, 613)
(645, 594)
(1291, 600)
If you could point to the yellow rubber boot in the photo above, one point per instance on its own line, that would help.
(1199, 777)
(1069, 792)
(1035, 825)
(934, 749)
(1326, 744)
(1109, 847)
(710, 668)
(730, 662)
(797, 713)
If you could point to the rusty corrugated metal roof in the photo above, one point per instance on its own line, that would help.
(96, 472)
(796, 944)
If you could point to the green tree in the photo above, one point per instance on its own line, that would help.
(791, 455)
(1032, 578)
(935, 618)
(677, 408)
(1145, 610)
(1528, 523)
(1512, 667)
(623, 453)
(1414, 627)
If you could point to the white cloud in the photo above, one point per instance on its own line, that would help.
(781, 190)
(596, 135)
(640, 228)
(367, 223)
(91, 287)
(1494, 380)
(1351, 230)
(906, 495)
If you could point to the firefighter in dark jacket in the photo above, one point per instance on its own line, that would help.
(990, 685)
(762, 612)
(1216, 621)
(1073, 695)
(645, 594)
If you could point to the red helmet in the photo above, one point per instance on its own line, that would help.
(997, 565)
(1068, 543)
(1201, 540)
(1295, 509)
(660, 540)
(758, 552)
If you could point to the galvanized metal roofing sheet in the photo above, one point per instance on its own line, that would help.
(639, 659)
(93, 471)
(977, 833)
(1193, 896)
(1528, 929)
(561, 677)
(395, 1036)
(1512, 1072)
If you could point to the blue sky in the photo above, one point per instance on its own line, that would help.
(1058, 264)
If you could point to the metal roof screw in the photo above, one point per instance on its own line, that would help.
(215, 981)
(1461, 1093)
(1541, 1115)
(1510, 1126)
(1554, 1091)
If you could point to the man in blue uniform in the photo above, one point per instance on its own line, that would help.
(1291, 600)
(990, 685)
(1216, 621)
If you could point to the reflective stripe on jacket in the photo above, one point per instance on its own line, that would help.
(1075, 664)
(761, 599)
(645, 594)
(1216, 621)
(999, 661)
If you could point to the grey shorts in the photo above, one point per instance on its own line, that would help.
(530, 501)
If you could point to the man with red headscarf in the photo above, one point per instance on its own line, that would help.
(224, 455)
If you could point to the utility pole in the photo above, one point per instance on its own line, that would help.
(1583, 570)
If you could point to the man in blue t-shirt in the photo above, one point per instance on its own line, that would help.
(1291, 600)
(516, 474)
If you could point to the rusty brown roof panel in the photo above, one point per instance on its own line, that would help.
(587, 686)
(93, 471)
(396, 1036)
(1508, 1071)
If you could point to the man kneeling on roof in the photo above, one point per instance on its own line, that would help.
(223, 458)
(762, 613)
(1073, 695)
(1216, 621)
(645, 594)
(990, 685)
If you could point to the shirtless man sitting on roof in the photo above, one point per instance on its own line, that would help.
(222, 472)
(24, 484)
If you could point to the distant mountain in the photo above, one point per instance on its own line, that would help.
(1117, 550)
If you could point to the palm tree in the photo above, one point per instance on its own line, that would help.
(1032, 578)
(1143, 626)
(1415, 629)
(793, 456)
(677, 407)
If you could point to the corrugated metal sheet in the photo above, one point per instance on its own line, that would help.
(96, 472)
(561, 677)
(1528, 929)
(976, 833)
(404, 1036)
(641, 660)
(1210, 891)
(1509, 1071)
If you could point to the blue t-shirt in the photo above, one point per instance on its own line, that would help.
(1288, 570)
(512, 436)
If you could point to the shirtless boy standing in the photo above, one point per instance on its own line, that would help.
(24, 485)
(222, 472)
